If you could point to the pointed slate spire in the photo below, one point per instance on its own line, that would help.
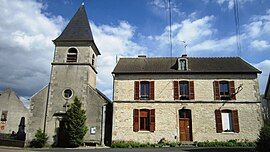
(77, 32)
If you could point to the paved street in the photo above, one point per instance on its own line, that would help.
(175, 149)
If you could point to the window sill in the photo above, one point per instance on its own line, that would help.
(144, 100)
(225, 100)
(144, 131)
(228, 132)
(144, 97)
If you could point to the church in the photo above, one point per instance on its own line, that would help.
(73, 74)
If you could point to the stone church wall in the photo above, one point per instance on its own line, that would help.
(95, 108)
(37, 112)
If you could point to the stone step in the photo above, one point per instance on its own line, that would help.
(187, 142)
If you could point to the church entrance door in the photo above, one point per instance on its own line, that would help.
(62, 140)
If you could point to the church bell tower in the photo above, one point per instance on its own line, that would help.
(73, 68)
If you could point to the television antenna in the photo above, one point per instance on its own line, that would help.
(185, 46)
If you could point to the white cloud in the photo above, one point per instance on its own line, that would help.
(188, 30)
(225, 44)
(25, 45)
(259, 25)
(264, 66)
(199, 35)
(193, 15)
(230, 3)
(254, 29)
(163, 5)
(27, 50)
(260, 44)
(256, 33)
(192, 31)
(113, 40)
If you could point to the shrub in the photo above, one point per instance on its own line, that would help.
(263, 141)
(133, 144)
(229, 143)
(5, 136)
(174, 144)
(40, 139)
(126, 144)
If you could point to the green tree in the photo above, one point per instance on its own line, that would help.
(75, 124)
(263, 142)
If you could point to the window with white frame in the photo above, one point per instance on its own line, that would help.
(182, 64)
(226, 116)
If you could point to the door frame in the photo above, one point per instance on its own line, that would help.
(189, 117)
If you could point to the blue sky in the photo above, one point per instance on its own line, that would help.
(128, 28)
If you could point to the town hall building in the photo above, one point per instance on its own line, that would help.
(73, 74)
(185, 99)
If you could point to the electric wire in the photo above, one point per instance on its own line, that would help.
(237, 26)
(170, 30)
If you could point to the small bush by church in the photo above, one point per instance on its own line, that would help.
(40, 139)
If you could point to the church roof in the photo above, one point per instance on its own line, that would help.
(78, 28)
(143, 65)
(78, 31)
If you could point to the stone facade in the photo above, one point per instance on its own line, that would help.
(75, 72)
(37, 112)
(81, 79)
(85, 54)
(15, 109)
(74, 77)
(202, 108)
(124, 86)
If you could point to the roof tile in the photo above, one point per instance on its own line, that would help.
(195, 65)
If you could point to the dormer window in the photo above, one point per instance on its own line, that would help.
(182, 64)
(93, 59)
(72, 55)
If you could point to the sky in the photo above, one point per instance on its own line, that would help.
(128, 28)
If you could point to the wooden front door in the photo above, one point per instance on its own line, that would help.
(185, 128)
